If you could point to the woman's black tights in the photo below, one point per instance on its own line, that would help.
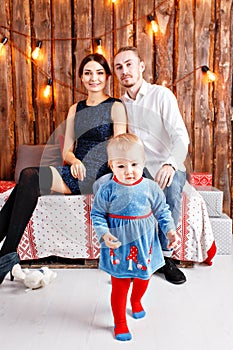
(17, 210)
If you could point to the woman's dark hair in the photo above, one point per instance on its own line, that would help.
(97, 58)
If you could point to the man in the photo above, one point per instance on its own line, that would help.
(154, 116)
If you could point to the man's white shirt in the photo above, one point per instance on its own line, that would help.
(155, 117)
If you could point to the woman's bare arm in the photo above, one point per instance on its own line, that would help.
(119, 118)
(77, 168)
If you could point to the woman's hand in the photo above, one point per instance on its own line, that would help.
(111, 241)
(78, 170)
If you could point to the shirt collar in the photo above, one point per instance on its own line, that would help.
(142, 91)
(121, 183)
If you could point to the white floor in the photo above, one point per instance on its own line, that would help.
(74, 313)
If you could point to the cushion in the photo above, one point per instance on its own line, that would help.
(6, 185)
(37, 155)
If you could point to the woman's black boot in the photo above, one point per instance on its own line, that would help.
(6, 264)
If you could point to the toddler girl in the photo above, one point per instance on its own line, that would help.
(125, 214)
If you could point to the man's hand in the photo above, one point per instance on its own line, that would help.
(164, 176)
(172, 237)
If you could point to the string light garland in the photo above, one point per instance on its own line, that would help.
(49, 83)
(203, 68)
(105, 34)
(43, 73)
(98, 41)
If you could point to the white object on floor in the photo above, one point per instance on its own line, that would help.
(74, 312)
(34, 279)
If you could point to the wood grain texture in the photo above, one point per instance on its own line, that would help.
(203, 128)
(82, 28)
(144, 37)
(184, 66)
(7, 115)
(222, 103)
(62, 59)
(164, 43)
(191, 34)
(43, 107)
(124, 34)
(22, 72)
(102, 29)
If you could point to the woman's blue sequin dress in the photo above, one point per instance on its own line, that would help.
(93, 127)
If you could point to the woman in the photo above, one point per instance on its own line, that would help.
(90, 123)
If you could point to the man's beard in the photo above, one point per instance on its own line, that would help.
(129, 84)
(126, 84)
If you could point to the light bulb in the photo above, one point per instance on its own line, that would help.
(210, 76)
(3, 43)
(99, 49)
(47, 90)
(36, 51)
(154, 25)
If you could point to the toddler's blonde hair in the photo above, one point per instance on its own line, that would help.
(123, 142)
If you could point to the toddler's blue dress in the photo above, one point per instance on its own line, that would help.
(93, 127)
(131, 213)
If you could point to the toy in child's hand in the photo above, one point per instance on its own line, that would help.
(34, 279)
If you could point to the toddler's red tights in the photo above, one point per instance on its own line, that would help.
(120, 288)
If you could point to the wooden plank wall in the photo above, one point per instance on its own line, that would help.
(191, 33)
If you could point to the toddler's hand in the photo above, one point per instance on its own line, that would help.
(172, 237)
(111, 241)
